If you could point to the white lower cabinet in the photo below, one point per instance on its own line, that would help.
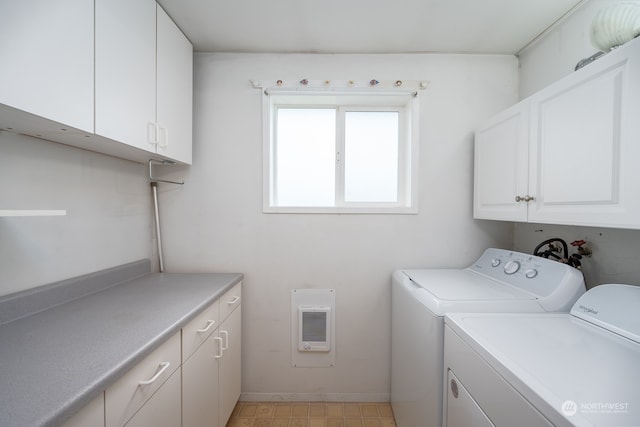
(201, 349)
(200, 386)
(92, 415)
(163, 408)
(230, 364)
(211, 374)
(143, 387)
(191, 380)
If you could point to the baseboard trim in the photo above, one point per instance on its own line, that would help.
(315, 397)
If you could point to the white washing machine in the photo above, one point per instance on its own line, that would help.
(499, 281)
(573, 369)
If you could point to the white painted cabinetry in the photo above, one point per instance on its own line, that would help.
(112, 76)
(211, 369)
(47, 62)
(230, 363)
(174, 90)
(92, 415)
(201, 349)
(501, 165)
(125, 85)
(582, 150)
(144, 79)
(149, 394)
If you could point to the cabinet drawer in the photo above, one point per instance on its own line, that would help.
(230, 300)
(130, 392)
(199, 329)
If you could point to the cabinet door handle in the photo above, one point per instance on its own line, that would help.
(526, 198)
(210, 323)
(233, 300)
(152, 133)
(164, 367)
(225, 346)
(219, 354)
(163, 137)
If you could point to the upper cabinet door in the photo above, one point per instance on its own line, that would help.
(174, 90)
(500, 165)
(125, 78)
(54, 37)
(585, 145)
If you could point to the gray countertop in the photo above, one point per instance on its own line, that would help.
(55, 361)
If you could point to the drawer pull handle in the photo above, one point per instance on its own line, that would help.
(233, 300)
(225, 346)
(164, 367)
(210, 323)
(219, 354)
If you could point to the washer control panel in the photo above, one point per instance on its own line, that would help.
(533, 274)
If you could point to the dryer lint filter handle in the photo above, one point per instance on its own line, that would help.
(614, 307)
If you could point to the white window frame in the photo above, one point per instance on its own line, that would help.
(405, 103)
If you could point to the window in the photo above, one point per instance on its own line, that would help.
(340, 153)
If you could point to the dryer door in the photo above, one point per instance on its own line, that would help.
(461, 409)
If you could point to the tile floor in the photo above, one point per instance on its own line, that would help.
(311, 414)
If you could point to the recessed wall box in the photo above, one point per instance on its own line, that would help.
(314, 328)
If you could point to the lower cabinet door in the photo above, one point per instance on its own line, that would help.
(163, 408)
(92, 415)
(200, 385)
(230, 364)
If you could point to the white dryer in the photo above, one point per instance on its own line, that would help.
(499, 281)
(571, 369)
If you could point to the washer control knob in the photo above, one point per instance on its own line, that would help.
(531, 273)
(511, 267)
(495, 262)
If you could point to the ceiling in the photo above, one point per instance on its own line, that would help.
(365, 26)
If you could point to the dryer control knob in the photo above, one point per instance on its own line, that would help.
(511, 267)
(495, 262)
(531, 273)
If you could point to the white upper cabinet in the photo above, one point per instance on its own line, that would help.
(174, 93)
(114, 76)
(47, 63)
(583, 144)
(501, 165)
(126, 71)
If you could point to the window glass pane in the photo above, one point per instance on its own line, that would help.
(371, 156)
(305, 157)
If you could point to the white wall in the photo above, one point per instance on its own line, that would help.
(556, 53)
(108, 203)
(215, 221)
(615, 252)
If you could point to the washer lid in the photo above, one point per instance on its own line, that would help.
(614, 307)
(574, 372)
(464, 285)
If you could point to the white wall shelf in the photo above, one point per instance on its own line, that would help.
(32, 212)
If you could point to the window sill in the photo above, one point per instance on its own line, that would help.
(396, 210)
